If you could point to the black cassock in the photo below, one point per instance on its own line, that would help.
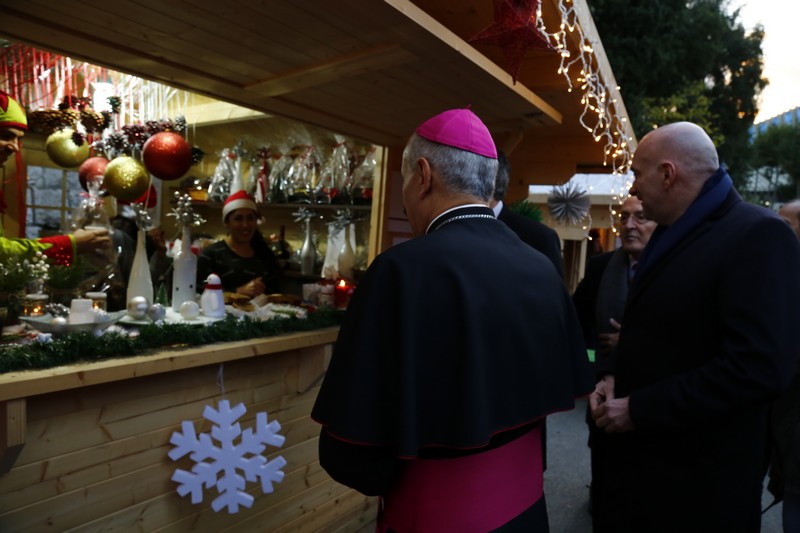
(454, 343)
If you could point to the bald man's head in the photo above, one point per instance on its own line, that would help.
(670, 166)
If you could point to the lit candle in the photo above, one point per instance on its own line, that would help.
(99, 300)
(342, 293)
(35, 304)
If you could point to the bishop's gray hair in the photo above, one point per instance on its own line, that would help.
(461, 171)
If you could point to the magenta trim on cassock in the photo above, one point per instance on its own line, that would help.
(475, 493)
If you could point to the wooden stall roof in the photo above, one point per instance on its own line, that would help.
(368, 69)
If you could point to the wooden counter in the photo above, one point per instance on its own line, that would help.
(85, 446)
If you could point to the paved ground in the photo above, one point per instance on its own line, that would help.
(567, 476)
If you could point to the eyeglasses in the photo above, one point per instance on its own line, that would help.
(638, 218)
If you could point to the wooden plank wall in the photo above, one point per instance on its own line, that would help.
(95, 458)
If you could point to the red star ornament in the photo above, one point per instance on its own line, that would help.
(514, 29)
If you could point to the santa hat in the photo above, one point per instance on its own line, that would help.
(11, 113)
(459, 128)
(238, 200)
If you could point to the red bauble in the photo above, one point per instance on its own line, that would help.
(167, 155)
(91, 170)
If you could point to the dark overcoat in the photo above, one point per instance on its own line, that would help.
(709, 338)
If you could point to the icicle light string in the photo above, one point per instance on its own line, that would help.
(596, 98)
(596, 117)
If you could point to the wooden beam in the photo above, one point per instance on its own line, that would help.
(374, 58)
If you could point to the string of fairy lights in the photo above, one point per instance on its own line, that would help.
(600, 115)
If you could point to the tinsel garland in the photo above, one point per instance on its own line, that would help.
(85, 347)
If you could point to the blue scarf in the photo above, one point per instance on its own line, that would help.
(664, 238)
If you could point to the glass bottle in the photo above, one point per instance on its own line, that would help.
(347, 257)
(281, 248)
(308, 253)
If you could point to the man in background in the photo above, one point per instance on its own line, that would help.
(61, 249)
(532, 232)
(455, 347)
(709, 340)
(784, 471)
(600, 302)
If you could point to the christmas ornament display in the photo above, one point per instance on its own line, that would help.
(92, 169)
(63, 149)
(167, 155)
(126, 178)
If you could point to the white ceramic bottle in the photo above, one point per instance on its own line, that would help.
(140, 283)
(184, 272)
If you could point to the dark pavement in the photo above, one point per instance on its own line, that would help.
(566, 480)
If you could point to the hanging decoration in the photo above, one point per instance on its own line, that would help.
(218, 465)
(568, 203)
(516, 30)
(601, 113)
(167, 155)
(92, 170)
(125, 178)
(67, 148)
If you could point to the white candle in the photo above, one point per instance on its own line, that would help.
(80, 311)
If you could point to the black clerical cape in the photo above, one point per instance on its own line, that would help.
(451, 339)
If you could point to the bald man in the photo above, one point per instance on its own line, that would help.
(790, 213)
(709, 339)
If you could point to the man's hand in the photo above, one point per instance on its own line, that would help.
(92, 240)
(603, 391)
(612, 414)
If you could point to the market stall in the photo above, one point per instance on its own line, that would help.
(87, 445)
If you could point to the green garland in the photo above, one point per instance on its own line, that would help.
(528, 209)
(86, 347)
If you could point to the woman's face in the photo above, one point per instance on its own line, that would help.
(242, 225)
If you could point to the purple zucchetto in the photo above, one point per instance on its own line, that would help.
(459, 128)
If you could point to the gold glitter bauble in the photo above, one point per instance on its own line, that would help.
(126, 178)
(63, 151)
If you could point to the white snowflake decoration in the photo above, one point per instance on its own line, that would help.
(227, 458)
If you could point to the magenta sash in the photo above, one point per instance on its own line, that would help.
(476, 493)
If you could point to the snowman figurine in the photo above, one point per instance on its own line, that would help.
(212, 302)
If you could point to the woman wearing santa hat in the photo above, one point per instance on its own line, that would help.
(242, 259)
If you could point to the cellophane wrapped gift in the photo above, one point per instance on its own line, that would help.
(301, 177)
(281, 162)
(334, 172)
(363, 178)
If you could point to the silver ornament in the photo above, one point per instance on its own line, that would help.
(157, 313)
(189, 310)
(137, 307)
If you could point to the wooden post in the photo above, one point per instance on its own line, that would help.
(13, 422)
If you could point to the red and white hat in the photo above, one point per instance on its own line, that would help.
(238, 200)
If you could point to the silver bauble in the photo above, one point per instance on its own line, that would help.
(137, 307)
(157, 313)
